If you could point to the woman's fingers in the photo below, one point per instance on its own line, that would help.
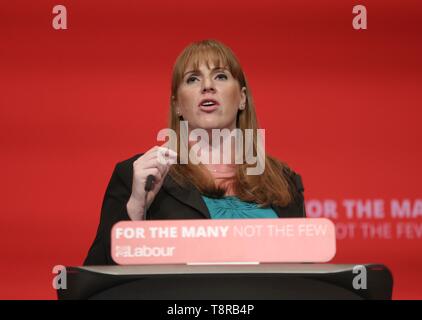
(168, 152)
(158, 157)
(165, 155)
(154, 172)
(154, 163)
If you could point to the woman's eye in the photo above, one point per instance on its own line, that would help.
(191, 79)
(222, 76)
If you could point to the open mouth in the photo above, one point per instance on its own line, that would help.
(208, 105)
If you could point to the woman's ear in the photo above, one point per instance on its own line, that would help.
(242, 98)
(175, 106)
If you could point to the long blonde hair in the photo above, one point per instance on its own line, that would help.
(272, 186)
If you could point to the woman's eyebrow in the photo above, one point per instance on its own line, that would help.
(212, 70)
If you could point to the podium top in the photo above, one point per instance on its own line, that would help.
(275, 268)
(223, 281)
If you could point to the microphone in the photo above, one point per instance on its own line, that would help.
(148, 187)
(150, 183)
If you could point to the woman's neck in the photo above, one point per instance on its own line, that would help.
(215, 151)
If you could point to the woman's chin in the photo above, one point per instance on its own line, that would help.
(209, 125)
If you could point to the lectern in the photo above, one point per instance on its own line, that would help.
(220, 282)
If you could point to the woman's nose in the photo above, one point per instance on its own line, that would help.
(207, 86)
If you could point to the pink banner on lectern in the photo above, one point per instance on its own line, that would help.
(223, 241)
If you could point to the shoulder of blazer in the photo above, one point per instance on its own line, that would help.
(296, 185)
(124, 169)
(294, 179)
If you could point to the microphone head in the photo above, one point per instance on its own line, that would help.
(150, 183)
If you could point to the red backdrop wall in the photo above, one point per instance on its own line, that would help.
(341, 106)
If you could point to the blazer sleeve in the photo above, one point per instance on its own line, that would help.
(113, 210)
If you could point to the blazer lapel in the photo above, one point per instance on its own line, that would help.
(189, 196)
(289, 211)
(277, 210)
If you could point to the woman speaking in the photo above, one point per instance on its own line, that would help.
(209, 91)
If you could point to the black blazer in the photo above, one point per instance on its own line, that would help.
(171, 202)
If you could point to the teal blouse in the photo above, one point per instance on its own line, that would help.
(231, 207)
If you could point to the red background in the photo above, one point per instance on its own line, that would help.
(341, 106)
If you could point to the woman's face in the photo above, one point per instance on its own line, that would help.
(209, 98)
